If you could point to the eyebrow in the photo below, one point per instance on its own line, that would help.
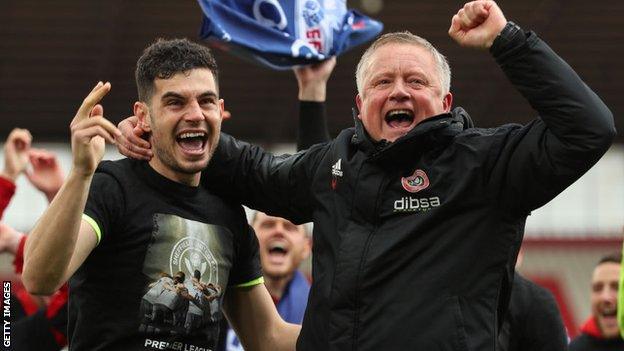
(171, 94)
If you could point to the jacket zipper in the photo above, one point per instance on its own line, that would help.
(356, 316)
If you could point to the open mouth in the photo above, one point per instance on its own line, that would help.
(192, 141)
(399, 118)
(278, 249)
(609, 313)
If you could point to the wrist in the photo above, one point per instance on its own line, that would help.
(9, 175)
(314, 93)
(80, 174)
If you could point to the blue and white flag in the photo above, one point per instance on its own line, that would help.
(284, 33)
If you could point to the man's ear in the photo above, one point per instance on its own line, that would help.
(142, 112)
(447, 102)
(358, 103)
(307, 248)
(222, 108)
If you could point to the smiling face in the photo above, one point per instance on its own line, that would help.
(401, 87)
(604, 293)
(184, 118)
(283, 245)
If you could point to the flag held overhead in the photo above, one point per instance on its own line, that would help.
(281, 34)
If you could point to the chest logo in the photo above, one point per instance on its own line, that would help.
(336, 171)
(416, 182)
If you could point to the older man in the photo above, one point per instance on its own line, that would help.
(419, 216)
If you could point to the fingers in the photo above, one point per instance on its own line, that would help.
(473, 14)
(97, 93)
(42, 158)
(88, 128)
(131, 150)
(20, 138)
(97, 110)
(130, 143)
(226, 115)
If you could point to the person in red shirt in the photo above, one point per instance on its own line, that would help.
(37, 325)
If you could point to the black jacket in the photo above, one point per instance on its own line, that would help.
(533, 321)
(431, 269)
(585, 342)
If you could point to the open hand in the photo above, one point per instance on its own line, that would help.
(46, 174)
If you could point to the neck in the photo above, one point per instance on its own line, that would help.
(190, 179)
(277, 286)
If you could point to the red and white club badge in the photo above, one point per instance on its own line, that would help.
(416, 182)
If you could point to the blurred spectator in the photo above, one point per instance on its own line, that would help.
(533, 321)
(601, 331)
(283, 246)
(36, 325)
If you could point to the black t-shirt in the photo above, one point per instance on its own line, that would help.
(128, 294)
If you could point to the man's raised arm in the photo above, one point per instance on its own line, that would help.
(573, 130)
(61, 241)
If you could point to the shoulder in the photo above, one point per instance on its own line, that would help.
(484, 133)
(227, 210)
(117, 169)
(533, 297)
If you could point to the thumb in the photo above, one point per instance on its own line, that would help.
(97, 110)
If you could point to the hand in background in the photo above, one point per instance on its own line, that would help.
(46, 174)
(312, 79)
(9, 239)
(16, 149)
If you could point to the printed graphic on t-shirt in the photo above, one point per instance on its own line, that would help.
(188, 263)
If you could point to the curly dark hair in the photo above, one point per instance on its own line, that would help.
(167, 57)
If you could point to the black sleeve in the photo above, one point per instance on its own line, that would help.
(312, 124)
(105, 204)
(246, 266)
(532, 164)
(277, 185)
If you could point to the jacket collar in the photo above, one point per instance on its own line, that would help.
(437, 129)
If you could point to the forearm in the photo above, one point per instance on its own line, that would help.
(312, 124)
(574, 114)
(253, 316)
(52, 242)
(284, 336)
